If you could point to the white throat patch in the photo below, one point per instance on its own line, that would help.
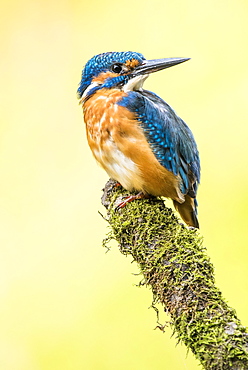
(135, 83)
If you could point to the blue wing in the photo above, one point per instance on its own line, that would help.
(170, 138)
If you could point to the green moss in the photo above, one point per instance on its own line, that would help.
(174, 264)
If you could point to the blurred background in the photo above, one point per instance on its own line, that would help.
(66, 304)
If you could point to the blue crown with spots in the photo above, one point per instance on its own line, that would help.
(102, 63)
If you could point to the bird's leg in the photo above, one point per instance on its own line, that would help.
(130, 198)
(117, 184)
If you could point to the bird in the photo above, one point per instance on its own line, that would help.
(135, 135)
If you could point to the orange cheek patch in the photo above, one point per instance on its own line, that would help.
(101, 78)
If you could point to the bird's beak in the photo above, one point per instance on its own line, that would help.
(150, 66)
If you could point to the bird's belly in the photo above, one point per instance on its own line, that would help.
(118, 143)
(118, 166)
(136, 168)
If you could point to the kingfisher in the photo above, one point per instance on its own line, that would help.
(135, 135)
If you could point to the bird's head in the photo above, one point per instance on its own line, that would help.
(124, 70)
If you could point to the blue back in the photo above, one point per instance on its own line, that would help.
(170, 138)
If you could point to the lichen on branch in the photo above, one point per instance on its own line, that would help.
(175, 265)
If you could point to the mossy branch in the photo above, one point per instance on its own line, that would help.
(175, 265)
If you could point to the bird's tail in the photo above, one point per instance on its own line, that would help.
(187, 211)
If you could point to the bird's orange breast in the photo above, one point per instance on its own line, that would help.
(118, 143)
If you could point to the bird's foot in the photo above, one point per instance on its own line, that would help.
(117, 184)
(130, 198)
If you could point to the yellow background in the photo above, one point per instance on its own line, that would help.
(64, 303)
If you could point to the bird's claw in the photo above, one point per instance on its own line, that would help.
(127, 199)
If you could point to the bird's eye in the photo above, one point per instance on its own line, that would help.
(116, 68)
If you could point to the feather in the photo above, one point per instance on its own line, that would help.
(170, 138)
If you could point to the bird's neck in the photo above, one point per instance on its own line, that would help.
(99, 102)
